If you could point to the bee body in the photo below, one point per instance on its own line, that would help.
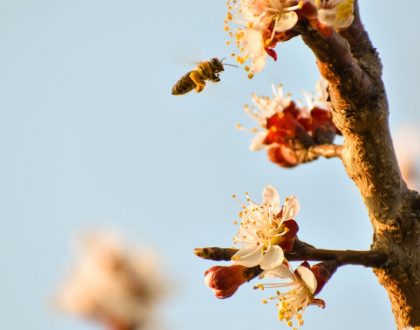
(196, 79)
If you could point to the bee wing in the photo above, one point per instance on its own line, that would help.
(187, 53)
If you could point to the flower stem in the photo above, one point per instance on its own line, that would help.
(326, 150)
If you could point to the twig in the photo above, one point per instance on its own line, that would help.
(325, 150)
(303, 251)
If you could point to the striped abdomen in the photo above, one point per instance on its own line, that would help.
(184, 85)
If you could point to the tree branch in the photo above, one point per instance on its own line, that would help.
(336, 63)
(305, 252)
(360, 111)
(359, 40)
(325, 150)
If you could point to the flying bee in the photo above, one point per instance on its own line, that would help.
(196, 79)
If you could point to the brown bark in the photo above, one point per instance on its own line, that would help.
(360, 111)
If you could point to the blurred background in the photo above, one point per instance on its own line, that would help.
(91, 137)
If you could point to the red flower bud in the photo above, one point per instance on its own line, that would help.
(323, 128)
(225, 280)
(282, 156)
(293, 110)
(283, 127)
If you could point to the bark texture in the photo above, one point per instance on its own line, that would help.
(360, 110)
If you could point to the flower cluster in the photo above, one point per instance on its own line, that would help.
(287, 128)
(260, 24)
(292, 134)
(259, 21)
(112, 284)
(266, 232)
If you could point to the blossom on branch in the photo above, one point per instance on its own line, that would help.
(303, 286)
(338, 14)
(258, 24)
(287, 129)
(266, 230)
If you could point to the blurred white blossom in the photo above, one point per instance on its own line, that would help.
(112, 283)
(407, 148)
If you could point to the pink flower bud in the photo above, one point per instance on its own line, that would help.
(225, 280)
(282, 156)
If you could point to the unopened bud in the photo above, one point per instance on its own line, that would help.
(225, 280)
(282, 156)
(323, 128)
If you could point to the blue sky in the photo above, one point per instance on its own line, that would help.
(91, 137)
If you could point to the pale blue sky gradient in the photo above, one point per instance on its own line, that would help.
(90, 136)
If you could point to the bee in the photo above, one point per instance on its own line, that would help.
(196, 79)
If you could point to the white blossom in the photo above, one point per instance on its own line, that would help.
(261, 230)
(290, 304)
(253, 18)
(338, 14)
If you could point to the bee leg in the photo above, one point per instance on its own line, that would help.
(215, 77)
(197, 78)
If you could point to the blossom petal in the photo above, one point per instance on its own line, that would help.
(253, 41)
(271, 198)
(308, 277)
(272, 258)
(281, 271)
(248, 257)
(291, 208)
(345, 22)
(327, 16)
(286, 22)
(257, 142)
(337, 14)
(258, 62)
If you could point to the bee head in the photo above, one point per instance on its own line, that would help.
(216, 64)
